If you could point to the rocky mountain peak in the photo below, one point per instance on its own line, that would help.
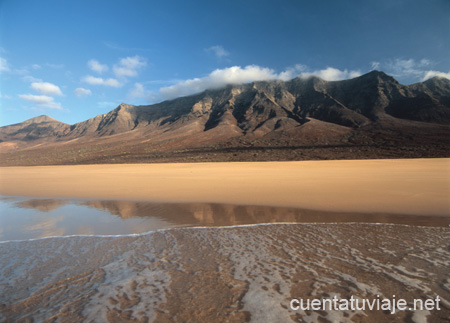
(124, 106)
(377, 76)
(438, 81)
(41, 119)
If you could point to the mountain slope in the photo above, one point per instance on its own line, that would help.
(33, 129)
(373, 108)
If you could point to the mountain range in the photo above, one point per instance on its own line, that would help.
(371, 116)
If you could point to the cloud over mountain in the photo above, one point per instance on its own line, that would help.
(419, 70)
(430, 74)
(250, 73)
(332, 74)
(363, 117)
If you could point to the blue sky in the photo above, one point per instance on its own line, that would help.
(73, 60)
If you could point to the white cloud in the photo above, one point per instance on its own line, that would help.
(291, 72)
(412, 69)
(79, 92)
(29, 78)
(219, 78)
(96, 66)
(128, 66)
(353, 74)
(4, 66)
(139, 92)
(41, 100)
(46, 88)
(236, 74)
(250, 73)
(403, 66)
(21, 71)
(375, 65)
(407, 67)
(332, 74)
(430, 74)
(120, 71)
(132, 62)
(218, 50)
(100, 81)
(424, 62)
(4, 96)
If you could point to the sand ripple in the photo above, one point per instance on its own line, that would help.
(225, 274)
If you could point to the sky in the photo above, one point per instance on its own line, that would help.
(73, 60)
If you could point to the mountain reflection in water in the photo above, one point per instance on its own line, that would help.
(28, 218)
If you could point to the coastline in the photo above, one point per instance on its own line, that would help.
(233, 273)
(226, 274)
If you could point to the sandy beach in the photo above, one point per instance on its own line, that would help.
(236, 273)
(408, 186)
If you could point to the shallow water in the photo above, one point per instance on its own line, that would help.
(23, 218)
(233, 274)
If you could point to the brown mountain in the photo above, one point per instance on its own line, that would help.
(33, 129)
(371, 116)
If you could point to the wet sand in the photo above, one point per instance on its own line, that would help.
(226, 274)
(410, 186)
(24, 218)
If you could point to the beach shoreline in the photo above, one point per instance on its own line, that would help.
(231, 274)
(235, 273)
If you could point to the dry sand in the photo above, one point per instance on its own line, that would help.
(408, 186)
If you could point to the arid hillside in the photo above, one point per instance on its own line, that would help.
(371, 116)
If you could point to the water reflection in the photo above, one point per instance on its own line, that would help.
(43, 205)
(213, 214)
(25, 218)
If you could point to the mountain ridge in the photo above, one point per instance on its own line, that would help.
(276, 111)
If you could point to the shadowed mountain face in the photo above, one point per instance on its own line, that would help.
(370, 116)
